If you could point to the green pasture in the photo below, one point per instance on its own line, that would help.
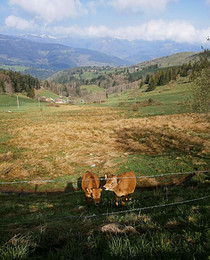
(9, 103)
(48, 94)
(92, 88)
(62, 226)
(172, 98)
(14, 67)
(169, 99)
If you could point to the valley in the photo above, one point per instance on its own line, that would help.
(144, 118)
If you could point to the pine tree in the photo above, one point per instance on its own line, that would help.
(162, 80)
(174, 73)
(147, 79)
(167, 77)
(151, 85)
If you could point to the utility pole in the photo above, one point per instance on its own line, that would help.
(18, 102)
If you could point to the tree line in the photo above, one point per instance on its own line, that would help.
(15, 82)
(164, 76)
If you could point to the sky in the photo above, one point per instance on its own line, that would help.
(177, 20)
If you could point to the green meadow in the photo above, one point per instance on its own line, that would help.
(13, 67)
(92, 88)
(48, 94)
(10, 103)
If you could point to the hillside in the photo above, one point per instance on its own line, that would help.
(18, 51)
(9, 103)
(176, 59)
(125, 78)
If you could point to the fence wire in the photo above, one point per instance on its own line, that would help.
(78, 217)
(40, 180)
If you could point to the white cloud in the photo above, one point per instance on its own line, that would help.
(91, 31)
(19, 23)
(136, 6)
(51, 10)
(179, 31)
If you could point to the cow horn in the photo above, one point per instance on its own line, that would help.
(105, 176)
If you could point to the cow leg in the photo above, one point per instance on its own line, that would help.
(124, 200)
(116, 201)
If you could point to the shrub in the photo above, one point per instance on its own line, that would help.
(135, 107)
(200, 101)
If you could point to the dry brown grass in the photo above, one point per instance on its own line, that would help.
(115, 229)
(60, 142)
(166, 181)
(157, 134)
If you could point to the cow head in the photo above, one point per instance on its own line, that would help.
(111, 182)
(95, 193)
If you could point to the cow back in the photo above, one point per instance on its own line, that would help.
(90, 181)
(127, 182)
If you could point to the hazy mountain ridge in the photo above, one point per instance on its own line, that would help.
(44, 55)
(133, 51)
(18, 51)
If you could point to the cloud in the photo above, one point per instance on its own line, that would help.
(51, 10)
(136, 6)
(178, 31)
(19, 23)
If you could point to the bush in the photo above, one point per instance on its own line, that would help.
(135, 107)
(200, 101)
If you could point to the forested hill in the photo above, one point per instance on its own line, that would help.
(121, 79)
(11, 82)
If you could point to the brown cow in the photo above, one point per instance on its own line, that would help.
(122, 185)
(90, 185)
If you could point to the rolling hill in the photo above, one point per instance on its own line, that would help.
(171, 60)
(144, 68)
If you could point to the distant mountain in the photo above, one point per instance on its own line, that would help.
(53, 56)
(133, 51)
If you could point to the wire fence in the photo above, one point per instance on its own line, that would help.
(40, 180)
(79, 217)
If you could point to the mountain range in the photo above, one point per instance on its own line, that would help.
(55, 56)
(132, 51)
(43, 55)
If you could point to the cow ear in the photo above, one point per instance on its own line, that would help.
(105, 176)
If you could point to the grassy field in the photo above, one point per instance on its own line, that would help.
(9, 103)
(92, 88)
(168, 99)
(13, 67)
(48, 94)
(52, 221)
